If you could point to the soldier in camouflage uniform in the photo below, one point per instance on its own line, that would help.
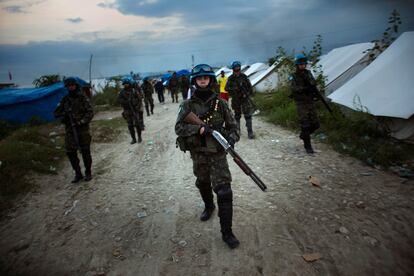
(131, 101)
(184, 86)
(303, 87)
(240, 90)
(148, 90)
(75, 111)
(174, 86)
(209, 159)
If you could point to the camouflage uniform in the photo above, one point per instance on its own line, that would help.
(240, 90)
(132, 98)
(148, 90)
(302, 84)
(184, 86)
(209, 159)
(174, 86)
(80, 108)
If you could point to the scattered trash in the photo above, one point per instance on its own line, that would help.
(314, 181)
(275, 141)
(182, 243)
(52, 169)
(343, 230)
(150, 142)
(142, 214)
(116, 252)
(71, 208)
(311, 257)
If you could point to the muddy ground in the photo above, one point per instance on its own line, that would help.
(139, 215)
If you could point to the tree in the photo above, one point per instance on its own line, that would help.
(46, 80)
(388, 36)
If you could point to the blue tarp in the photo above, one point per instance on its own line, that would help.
(21, 105)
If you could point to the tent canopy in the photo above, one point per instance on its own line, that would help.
(263, 74)
(256, 67)
(337, 61)
(384, 88)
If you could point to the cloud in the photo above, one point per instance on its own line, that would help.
(14, 9)
(74, 20)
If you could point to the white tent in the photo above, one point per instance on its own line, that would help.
(254, 68)
(225, 69)
(99, 84)
(384, 88)
(267, 80)
(342, 64)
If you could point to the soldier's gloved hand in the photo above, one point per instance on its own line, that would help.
(231, 142)
(205, 130)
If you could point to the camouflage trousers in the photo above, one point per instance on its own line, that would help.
(148, 101)
(210, 169)
(84, 138)
(174, 95)
(308, 118)
(241, 106)
(132, 120)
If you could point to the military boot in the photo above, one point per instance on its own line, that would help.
(132, 132)
(147, 109)
(226, 217)
(307, 144)
(249, 126)
(87, 161)
(74, 161)
(207, 196)
(139, 135)
(152, 109)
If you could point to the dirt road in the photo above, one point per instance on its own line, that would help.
(139, 215)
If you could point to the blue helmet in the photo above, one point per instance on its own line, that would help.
(235, 64)
(126, 81)
(70, 80)
(301, 59)
(146, 79)
(202, 70)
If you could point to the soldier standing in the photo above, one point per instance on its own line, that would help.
(148, 90)
(184, 86)
(159, 87)
(173, 86)
(240, 89)
(303, 87)
(209, 159)
(131, 101)
(75, 111)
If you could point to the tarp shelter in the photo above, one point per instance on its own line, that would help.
(267, 80)
(21, 105)
(384, 88)
(342, 64)
(225, 69)
(255, 69)
(183, 72)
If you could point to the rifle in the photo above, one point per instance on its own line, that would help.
(191, 118)
(68, 110)
(246, 95)
(315, 91)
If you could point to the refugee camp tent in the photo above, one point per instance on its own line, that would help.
(183, 72)
(255, 69)
(384, 88)
(225, 69)
(20, 105)
(266, 80)
(99, 84)
(342, 64)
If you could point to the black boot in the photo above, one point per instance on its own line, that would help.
(141, 121)
(139, 135)
(147, 109)
(132, 132)
(87, 161)
(249, 126)
(74, 161)
(152, 109)
(225, 213)
(307, 143)
(207, 196)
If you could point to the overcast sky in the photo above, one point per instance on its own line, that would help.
(57, 36)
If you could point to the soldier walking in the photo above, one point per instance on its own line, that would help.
(75, 111)
(148, 90)
(240, 90)
(184, 86)
(303, 87)
(131, 101)
(159, 87)
(173, 86)
(209, 159)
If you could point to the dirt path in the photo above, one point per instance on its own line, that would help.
(139, 215)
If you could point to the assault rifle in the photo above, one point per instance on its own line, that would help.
(68, 111)
(191, 118)
(317, 94)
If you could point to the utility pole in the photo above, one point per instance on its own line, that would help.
(90, 71)
(192, 60)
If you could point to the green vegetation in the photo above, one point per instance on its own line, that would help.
(46, 80)
(105, 131)
(358, 134)
(28, 149)
(108, 98)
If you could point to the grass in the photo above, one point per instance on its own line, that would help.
(358, 134)
(108, 98)
(106, 131)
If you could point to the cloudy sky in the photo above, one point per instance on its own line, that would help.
(58, 36)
